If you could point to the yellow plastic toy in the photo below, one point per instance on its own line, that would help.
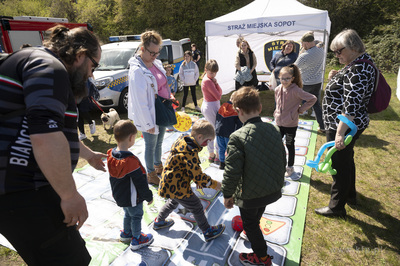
(184, 122)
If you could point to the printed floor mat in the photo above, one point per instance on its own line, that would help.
(183, 244)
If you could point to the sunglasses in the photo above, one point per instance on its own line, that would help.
(339, 51)
(95, 64)
(152, 53)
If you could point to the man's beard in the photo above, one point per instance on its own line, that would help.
(78, 78)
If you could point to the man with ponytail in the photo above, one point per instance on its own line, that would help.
(40, 207)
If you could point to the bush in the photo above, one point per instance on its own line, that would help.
(383, 44)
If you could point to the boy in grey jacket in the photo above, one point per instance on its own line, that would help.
(254, 171)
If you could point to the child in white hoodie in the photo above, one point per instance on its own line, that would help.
(189, 74)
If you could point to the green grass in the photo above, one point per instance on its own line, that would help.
(370, 235)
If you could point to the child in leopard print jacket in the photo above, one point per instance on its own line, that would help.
(182, 167)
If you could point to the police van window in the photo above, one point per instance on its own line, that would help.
(163, 54)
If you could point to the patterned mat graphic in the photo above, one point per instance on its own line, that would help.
(183, 243)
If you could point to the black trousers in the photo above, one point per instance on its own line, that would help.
(186, 92)
(290, 133)
(251, 224)
(32, 221)
(81, 121)
(344, 182)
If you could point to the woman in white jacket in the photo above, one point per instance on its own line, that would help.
(147, 78)
(189, 74)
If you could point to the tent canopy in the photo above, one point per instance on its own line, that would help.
(265, 24)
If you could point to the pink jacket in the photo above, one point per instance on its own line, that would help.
(212, 92)
(288, 104)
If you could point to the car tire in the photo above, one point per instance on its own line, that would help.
(123, 101)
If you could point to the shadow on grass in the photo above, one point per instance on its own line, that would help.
(388, 115)
(371, 141)
(388, 229)
(100, 145)
(321, 186)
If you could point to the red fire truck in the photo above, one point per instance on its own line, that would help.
(17, 31)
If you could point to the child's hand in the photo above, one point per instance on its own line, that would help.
(149, 203)
(228, 203)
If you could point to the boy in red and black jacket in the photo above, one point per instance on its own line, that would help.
(129, 184)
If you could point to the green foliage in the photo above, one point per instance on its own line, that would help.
(377, 21)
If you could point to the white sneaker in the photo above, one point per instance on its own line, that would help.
(92, 127)
(244, 236)
(183, 109)
(197, 108)
(313, 114)
(289, 171)
(82, 136)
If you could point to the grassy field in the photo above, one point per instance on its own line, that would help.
(370, 234)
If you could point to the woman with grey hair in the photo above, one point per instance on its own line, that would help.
(347, 93)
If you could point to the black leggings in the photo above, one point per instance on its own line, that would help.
(290, 133)
(185, 94)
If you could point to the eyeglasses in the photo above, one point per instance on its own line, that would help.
(152, 53)
(339, 51)
(95, 64)
(286, 79)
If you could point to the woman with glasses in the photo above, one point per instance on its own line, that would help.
(246, 57)
(347, 93)
(146, 78)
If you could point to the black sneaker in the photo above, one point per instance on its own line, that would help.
(213, 232)
(222, 165)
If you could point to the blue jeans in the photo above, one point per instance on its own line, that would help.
(222, 145)
(133, 219)
(153, 148)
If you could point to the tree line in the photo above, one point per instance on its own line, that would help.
(377, 21)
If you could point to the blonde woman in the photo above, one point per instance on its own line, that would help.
(146, 78)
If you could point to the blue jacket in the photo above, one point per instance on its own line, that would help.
(279, 60)
(227, 120)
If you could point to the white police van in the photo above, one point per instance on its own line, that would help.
(111, 77)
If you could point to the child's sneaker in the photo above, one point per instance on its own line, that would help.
(213, 232)
(289, 171)
(162, 224)
(222, 165)
(217, 161)
(125, 237)
(142, 241)
(197, 108)
(252, 259)
(244, 235)
(211, 159)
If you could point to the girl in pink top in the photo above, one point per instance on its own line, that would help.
(212, 95)
(289, 98)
